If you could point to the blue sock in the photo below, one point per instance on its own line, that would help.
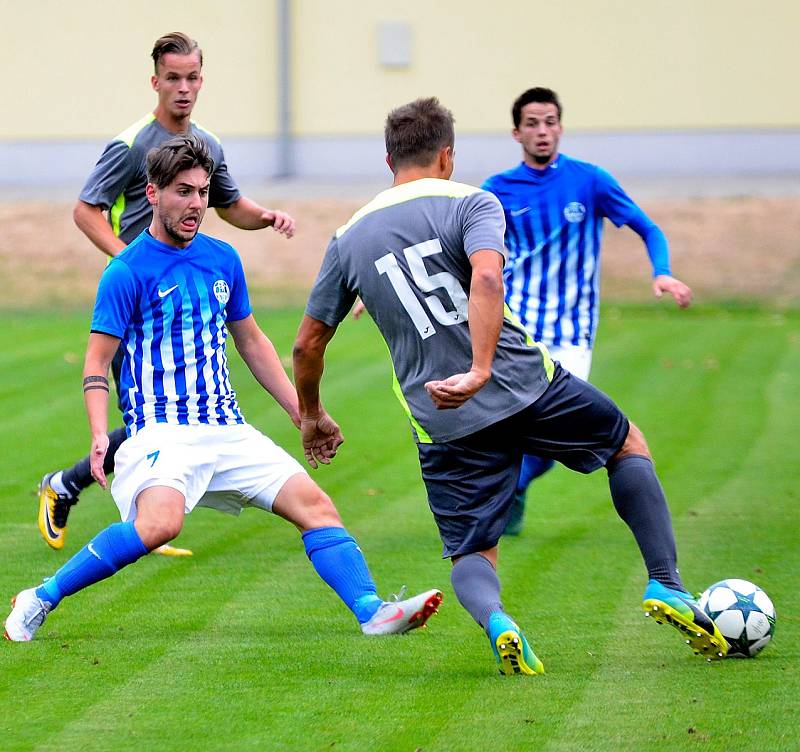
(340, 563)
(110, 550)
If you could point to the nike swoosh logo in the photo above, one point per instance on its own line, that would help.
(517, 212)
(398, 614)
(164, 293)
(92, 551)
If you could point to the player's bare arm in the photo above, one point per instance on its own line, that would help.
(320, 433)
(679, 291)
(99, 354)
(485, 321)
(93, 224)
(248, 215)
(262, 359)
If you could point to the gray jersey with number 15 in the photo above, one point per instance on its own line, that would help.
(406, 253)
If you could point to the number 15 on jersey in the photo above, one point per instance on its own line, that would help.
(426, 283)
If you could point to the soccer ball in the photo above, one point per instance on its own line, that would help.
(744, 614)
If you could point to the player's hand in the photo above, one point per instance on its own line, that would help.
(681, 292)
(455, 390)
(280, 222)
(358, 309)
(321, 438)
(97, 456)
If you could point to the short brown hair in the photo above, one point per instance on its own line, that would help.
(538, 94)
(174, 156)
(176, 42)
(415, 132)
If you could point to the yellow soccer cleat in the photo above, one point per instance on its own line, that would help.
(511, 649)
(167, 550)
(53, 512)
(680, 609)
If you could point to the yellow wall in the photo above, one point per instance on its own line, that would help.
(81, 69)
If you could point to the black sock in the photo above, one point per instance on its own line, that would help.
(640, 502)
(477, 587)
(79, 476)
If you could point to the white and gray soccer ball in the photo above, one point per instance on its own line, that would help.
(744, 614)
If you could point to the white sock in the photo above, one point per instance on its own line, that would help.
(58, 485)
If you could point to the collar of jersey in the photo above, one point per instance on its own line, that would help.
(398, 194)
(549, 173)
(166, 247)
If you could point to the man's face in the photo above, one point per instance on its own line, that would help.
(178, 208)
(539, 132)
(177, 83)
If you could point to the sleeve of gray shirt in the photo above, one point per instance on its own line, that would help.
(223, 190)
(484, 224)
(330, 298)
(114, 170)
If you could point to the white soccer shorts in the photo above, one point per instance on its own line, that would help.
(577, 360)
(223, 467)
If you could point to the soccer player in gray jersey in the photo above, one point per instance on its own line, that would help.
(113, 209)
(426, 257)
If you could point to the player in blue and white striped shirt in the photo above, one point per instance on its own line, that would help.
(170, 299)
(554, 207)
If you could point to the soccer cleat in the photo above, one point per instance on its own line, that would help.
(167, 550)
(53, 512)
(516, 518)
(398, 617)
(510, 647)
(680, 609)
(26, 617)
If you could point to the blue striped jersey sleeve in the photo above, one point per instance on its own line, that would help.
(238, 306)
(613, 201)
(115, 301)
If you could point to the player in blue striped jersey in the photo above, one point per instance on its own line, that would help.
(554, 207)
(117, 186)
(170, 299)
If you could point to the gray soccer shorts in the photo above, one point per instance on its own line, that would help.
(471, 481)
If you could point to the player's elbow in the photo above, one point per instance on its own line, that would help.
(487, 282)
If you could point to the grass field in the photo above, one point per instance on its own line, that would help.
(243, 648)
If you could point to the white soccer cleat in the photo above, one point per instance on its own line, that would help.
(398, 617)
(26, 617)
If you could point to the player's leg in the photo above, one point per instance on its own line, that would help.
(477, 587)
(275, 481)
(470, 484)
(159, 519)
(581, 427)
(640, 502)
(578, 361)
(340, 563)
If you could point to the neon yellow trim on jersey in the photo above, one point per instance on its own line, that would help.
(422, 188)
(115, 213)
(422, 434)
(128, 136)
(210, 133)
(547, 361)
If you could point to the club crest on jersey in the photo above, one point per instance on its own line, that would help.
(574, 211)
(221, 291)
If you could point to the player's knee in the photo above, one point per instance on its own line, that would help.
(635, 443)
(319, 510)
(303, 503)
(155, 532)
